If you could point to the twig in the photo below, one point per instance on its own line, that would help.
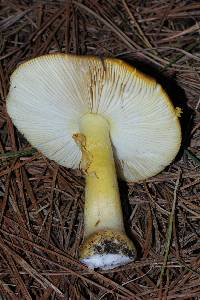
(192, 156)
(140, 31)
(16, 154)
(169, 231)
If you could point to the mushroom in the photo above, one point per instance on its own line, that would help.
(105, 117)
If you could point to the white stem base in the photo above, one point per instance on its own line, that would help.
(106, 261)
(107, 250)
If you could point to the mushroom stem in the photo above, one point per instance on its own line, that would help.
(102, 201)
(105, 242)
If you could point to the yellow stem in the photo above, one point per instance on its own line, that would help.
(102, 201)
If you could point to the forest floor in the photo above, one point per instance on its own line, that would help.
(41, 215)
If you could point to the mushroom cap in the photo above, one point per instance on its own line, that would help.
(49, 94)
